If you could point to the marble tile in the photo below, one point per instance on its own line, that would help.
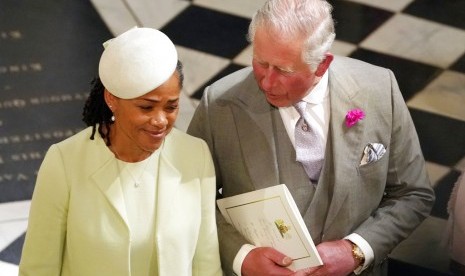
(10, 231)
(7, 269)
(342, 48)
(428, 242)
(446, 12)
(244, 8)
(443, 190)
(460, 165)
(232, 67)
(354, 22)
(245, 57)
(13, 221)
(459, 65)
(196, 102)
(15, 210)
(392, 5)
(123, 15)
(186, 111)
(411, 76)
(418, 40)
(445, 95)
(436, 172)
(199, 67)
(216, 33)
(441, 137)
(156, 14)
(116, 15)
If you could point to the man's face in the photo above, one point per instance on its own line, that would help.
(279, 70)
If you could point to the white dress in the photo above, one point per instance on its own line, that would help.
(139, 185)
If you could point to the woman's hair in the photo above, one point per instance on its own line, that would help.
(294, 18)
(97, 114)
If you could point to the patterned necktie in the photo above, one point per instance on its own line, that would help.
(308, 146)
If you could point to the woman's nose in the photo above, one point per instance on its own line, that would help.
(158, 120)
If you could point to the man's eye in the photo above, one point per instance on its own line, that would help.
(261, 63)
(285, 71)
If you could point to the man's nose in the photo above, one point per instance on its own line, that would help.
(268, 79)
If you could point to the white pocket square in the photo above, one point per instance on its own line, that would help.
(372, 153)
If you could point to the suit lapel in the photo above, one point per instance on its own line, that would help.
(251, 113)
(343, 150)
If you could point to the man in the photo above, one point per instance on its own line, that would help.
(366, 188)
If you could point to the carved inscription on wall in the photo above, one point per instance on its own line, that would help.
(47, 62)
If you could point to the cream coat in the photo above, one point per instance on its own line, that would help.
(78, 223)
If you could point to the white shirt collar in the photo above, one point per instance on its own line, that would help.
(319, 92)
(318, 109)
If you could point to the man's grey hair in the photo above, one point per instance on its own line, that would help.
(294, 18)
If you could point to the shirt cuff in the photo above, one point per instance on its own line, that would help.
(366, 249)
(240, 256)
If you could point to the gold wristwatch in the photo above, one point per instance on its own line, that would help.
(358, 254)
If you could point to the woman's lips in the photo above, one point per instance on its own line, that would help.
(158, 134)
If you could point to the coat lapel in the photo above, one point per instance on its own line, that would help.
(251, 113)
(343, 150)
(107, 180)
(169, 179)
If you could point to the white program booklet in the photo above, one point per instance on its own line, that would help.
(270, 217)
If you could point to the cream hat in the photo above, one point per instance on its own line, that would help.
(136, 62)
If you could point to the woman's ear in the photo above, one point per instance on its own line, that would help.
(109, 99)
(324, 65)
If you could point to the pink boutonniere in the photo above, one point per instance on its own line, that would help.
(353, 116)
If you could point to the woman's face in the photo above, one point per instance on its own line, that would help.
(141, 124)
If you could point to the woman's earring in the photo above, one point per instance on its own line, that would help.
(112, 116)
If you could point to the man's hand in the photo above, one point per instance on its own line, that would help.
(337, 260)
(266, 261)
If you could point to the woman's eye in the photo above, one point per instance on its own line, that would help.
(145, 107)
(173, 107)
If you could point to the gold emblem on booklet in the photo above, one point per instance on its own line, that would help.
(282, 228)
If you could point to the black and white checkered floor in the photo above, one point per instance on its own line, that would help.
(49, 53)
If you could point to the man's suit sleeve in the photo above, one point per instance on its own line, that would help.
(206, 260)
(230, 240)
(408, 196)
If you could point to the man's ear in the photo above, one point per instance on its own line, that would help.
(324, 65)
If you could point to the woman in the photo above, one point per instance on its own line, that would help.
(136, 198)
(456, 227)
